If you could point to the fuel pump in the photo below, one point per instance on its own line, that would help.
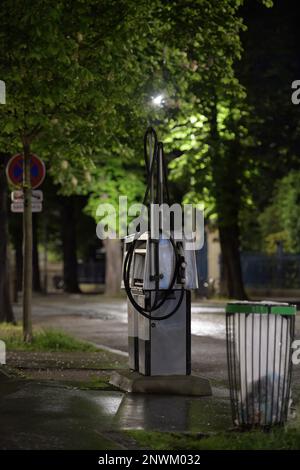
(158, 275)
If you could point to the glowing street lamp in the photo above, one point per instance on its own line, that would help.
(158, 100)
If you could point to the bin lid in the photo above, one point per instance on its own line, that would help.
(265, 306)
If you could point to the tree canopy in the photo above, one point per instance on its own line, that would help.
(80, 77)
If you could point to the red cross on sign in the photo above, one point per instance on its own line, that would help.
(15, 169)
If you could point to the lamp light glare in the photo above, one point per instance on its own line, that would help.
(158, 100)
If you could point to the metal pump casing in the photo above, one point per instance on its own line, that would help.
(140, 274)
(158, 277)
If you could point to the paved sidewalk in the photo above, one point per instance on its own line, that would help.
(64, 401)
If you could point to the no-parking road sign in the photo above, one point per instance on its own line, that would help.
(15, 169)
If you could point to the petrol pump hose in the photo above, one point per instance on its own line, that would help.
(150, 165)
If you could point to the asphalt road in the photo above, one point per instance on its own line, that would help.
(103, 322)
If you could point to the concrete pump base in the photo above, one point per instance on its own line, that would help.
(133, 382)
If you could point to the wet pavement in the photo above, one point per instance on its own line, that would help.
(174, 413)
(45, 415)
(207, 319)
(55, 415)
(49, 416)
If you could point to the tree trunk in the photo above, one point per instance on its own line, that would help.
(6, 311)
(113, 267)
(69, 240)
(27, 246)
(229, 240)
(35, 255)
(225, 172)
(15, 231)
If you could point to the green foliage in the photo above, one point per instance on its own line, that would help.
(256, 440)
(209, 129)
(192, 50)
(71, 69)
(280, 221)
(80, 76)
(268, 3)
(44, 340)
(288, 201)
(33, 38)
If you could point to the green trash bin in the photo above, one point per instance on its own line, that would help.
(259, 337)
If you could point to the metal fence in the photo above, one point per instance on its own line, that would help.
(271, 271)
(91, 272)
(259, 270)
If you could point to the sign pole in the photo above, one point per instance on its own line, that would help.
(26, 171)
(27, 246)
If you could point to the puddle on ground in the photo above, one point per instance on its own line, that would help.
(173, 413)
